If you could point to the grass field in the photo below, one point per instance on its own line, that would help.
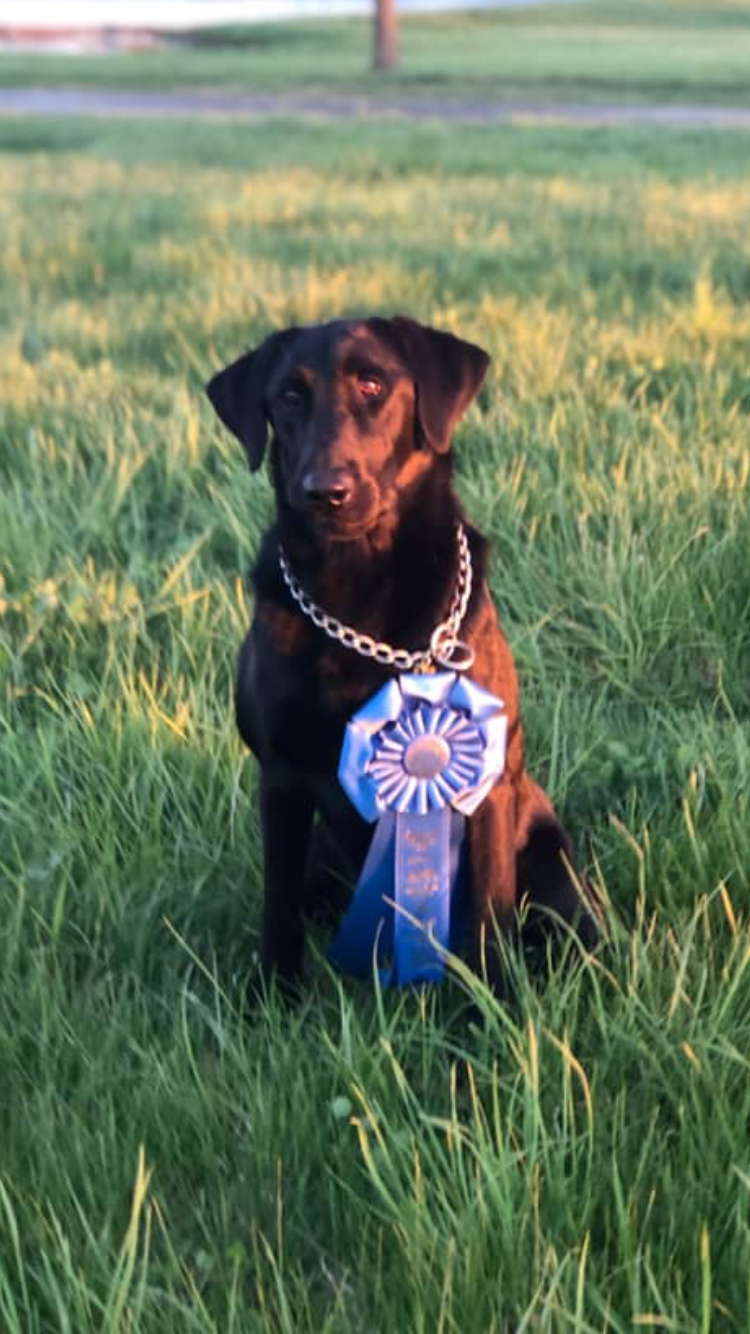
(629, 51)
(579, 1160)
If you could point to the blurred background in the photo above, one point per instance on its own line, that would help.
(607, 50)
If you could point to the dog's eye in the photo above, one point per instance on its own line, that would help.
(369, 387)
(292, 395)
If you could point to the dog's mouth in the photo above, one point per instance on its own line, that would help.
(342, 524)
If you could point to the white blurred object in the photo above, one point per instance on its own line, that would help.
(178, 15)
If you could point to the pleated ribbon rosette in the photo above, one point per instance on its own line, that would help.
(419, 758)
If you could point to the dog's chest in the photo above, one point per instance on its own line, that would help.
(296, 707)
(309, 719)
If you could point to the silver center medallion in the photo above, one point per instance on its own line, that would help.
(426, 756)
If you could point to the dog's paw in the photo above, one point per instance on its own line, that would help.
(269, 985)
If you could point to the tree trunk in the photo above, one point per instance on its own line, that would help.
(386, 39)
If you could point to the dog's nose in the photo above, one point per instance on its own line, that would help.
(327, 490)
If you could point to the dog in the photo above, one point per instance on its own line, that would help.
(361, 413)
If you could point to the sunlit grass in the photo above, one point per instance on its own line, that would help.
(574, 1160)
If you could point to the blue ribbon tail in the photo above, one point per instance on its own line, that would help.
(459, 897)
(367, 928)
(409, 905)
(423, 907)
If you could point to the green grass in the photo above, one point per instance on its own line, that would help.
(613, 50)
(579, 1161)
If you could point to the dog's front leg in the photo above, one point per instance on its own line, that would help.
(286, 813)
(492, 878)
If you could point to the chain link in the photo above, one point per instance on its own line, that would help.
(443, 640)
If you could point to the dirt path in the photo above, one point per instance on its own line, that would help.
(116, 102)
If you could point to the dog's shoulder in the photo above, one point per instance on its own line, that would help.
(265, 575)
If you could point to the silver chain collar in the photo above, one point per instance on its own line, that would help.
(446, 649)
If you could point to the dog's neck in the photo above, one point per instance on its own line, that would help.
(395, 582)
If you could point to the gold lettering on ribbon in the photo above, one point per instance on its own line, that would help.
(420, 840)
(423, 888)
(420, 877)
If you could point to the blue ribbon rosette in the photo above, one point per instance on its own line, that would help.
(419, 757)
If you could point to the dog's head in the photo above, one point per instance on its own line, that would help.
(358, 409)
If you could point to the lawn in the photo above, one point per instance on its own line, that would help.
(631, 51)
(578, 1159)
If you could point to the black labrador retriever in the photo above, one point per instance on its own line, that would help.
(361, 414)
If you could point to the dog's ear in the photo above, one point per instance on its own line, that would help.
(237, 395)
(447, 373)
